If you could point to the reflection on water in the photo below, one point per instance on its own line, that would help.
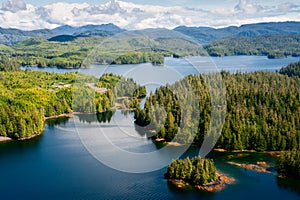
(56, 121)
(58, 160)
(289, 184)
(16, 146)
(104, 117)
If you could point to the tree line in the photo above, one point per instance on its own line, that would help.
(289, 164)
(293, 69)
(273, 46)
(27, 97)
(263, 112)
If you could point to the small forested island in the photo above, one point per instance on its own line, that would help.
(289, 164)
(198, 172)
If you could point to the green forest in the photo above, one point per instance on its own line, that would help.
(28, 97)
(293, 69)
(289, 164)
(273, 46)
(197, 171)
(263, 112)
(84, 51)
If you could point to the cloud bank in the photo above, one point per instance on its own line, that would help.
(18, 14)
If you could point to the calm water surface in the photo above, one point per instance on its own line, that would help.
(57, 165)
(185, 65)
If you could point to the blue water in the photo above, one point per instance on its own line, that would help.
(175, 69)
(185, 66)
(56, 165)
(59, 164)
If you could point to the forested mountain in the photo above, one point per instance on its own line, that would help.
(205, 35)
(263, 112)
(12, 36)
(273, 46)
(102, 30)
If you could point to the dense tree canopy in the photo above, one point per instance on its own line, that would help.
(273, 46)
(27, 97)
(293, 69)
(197, 171)
(84, 51)
(263, 112)
(289, 164)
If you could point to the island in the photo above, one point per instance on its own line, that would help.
(198, 172)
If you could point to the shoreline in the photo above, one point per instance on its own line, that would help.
(5, 139)
(215, 186)
(275, 153)
(68, 115)
(261, 167)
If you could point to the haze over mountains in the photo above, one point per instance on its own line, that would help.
(202, 35)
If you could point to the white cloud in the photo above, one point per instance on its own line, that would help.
(250, 8)
(14, 5)
(16, 14)
(288, 7)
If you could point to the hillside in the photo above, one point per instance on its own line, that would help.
(206, 35)
(102, 30)
(12, 36)
(273, 46)
(203, 35)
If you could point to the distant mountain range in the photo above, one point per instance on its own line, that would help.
(202, 35)
(106, 29)
(205, 35)
(11, 36)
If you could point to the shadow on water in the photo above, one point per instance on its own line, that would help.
(20, 146)
(57, 121)
(289, 184)
(99, 117)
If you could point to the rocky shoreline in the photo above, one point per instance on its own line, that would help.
(4, 139)
(259, 167)
(209, 187)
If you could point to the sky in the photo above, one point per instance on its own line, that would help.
(140, 14)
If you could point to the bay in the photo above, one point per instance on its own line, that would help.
(56, 165)
(60, 165)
